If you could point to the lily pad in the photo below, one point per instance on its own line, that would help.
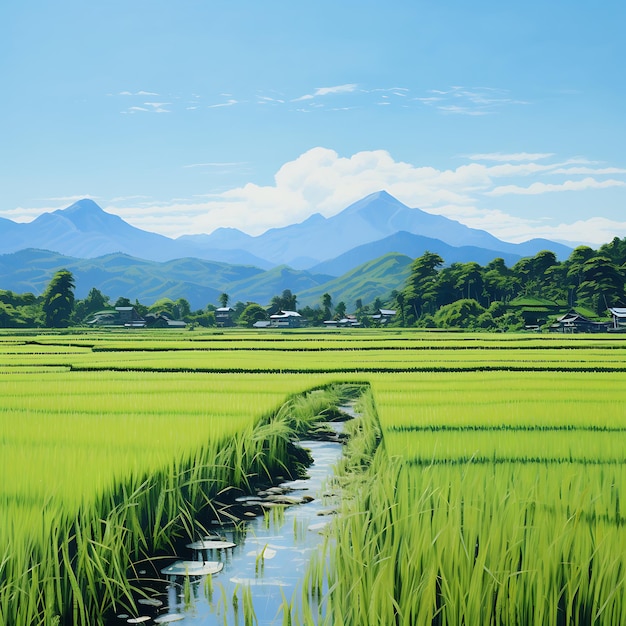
(268, 553)
(211, 544)
(193, 568)
(169, 617)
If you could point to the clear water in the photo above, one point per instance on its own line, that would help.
(286, 536)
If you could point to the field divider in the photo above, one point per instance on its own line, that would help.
(350, 370)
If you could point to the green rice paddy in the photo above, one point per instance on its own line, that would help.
(495, 495)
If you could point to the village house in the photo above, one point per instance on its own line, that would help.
(349, 321)
(120, 316)
(619, 318)
(224, 316)
(383, 316)
(286, 319)
(573, 322)
(128, 317)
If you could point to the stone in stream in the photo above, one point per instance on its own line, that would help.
(150, 602)
(283, 499)
(324, 512)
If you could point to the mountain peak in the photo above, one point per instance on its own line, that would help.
(86, 205)
(87, 216)
(375, 200)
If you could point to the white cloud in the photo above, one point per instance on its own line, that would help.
(568, 185)
(593, 231)
(322, 181)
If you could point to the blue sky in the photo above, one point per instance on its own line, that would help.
(182, 117)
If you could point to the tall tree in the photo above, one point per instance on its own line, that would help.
(602, 286)
(289, 300)
(95, 301)
(182, 308)
(252, 313)
(223, 300)
(58, 300)
(327, 303)
(401, 299)
(421, 289)
(499, 282)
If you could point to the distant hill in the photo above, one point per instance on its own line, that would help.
(377, 278)
(412, 246)
(198, 281)
(84, 230)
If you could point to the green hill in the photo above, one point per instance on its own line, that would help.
(198, 281)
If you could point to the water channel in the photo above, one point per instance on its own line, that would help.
(266, 564)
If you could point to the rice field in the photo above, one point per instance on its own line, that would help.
(495, 496)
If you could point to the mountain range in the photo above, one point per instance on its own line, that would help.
(377, 235)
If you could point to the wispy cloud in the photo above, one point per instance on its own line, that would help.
(588, 170)
(158, 107)
(568, 185)
(327, 91)
(517, 156)
(229, 103)
(74, 198)
(216, 164)
(137, 93)
(459, 100)
(269, 100)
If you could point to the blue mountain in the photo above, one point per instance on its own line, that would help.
(84, 230)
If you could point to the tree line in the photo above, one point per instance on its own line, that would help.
(471, 295)
(435, 295)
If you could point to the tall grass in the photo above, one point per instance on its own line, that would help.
(101, 471)
(535, 539)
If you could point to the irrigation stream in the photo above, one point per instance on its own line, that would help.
(260, 562)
